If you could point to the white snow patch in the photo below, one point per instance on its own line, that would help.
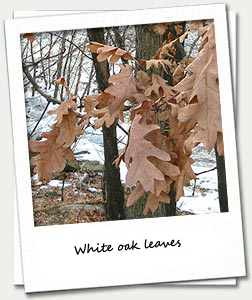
(87, 143)
(123, 171)
(94, 190)
(35, 180)
(58, 183)
(43, 187)
(199, 205)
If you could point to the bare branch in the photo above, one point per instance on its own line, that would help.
(197, 174)
(38, 89)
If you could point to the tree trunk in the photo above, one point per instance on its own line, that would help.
(222, 185)
(60, 63)
(79, 75)
(113, 187)
(147, 43)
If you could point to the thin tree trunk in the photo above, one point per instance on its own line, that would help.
(42, 62)
(34, 68)
(147, 43)
(73, 71)
(60, 63)
(79, 75)
(49, 68)
(222, 184)
(113, 188)
(67, 60)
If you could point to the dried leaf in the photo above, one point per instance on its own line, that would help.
(157, 63)
(122, 88)
(51, 157)
(68, 130)
(178, 74)
(63, 109)
(143, 80)
(161, 28)
(170, 37)
(183, 37)
(202, 85)
(104, 99)
(121, 157)
(194, 25)
(186, 173)
(136, 157)
(62, 81)
(166, 167)
(30, 37)
(178, 29)
(105, 51)
(220, 145)
(135, 195)
(158, 87)
(105, 117)
(90, 102)
(153, 202)
(145, 109)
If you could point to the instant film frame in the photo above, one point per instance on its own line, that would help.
(17, 267)
(212, 245)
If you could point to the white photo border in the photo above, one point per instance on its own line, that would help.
(212, 245)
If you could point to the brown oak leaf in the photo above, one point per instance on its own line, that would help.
(68, 130)
(105, 117)
(161, 28)
(203, 97)
(51, 157)
(143, 80)
(158, 87)
(137, 153)
(157, 63)
(105, 51)
(63, 109)
(122, 87)
(135, 195)
(30, 37)
(153, 202)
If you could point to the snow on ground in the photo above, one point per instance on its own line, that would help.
(34, 108)
(92, 145)
(206, 198)
(59, 183)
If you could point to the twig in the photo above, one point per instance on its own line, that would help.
(125, 131)
(43, 58)
(73, 45)
(194, 187)
(49, 98)
(81, 209)
(42, 115)
(38, 89)
(197, 174)
(62, 189)
(192, 46)
(121, 141)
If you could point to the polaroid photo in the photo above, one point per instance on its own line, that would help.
(207, 244)
(17, 270)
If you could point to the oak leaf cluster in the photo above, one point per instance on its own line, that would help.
(167, 121)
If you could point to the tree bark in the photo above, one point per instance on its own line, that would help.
(147, 42)
(113, 187)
